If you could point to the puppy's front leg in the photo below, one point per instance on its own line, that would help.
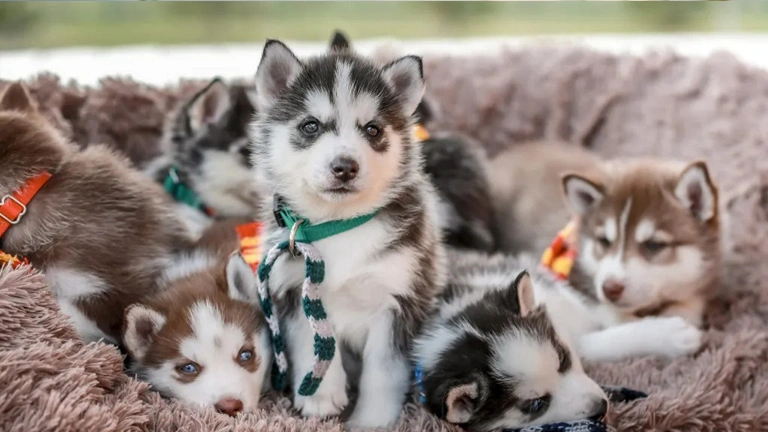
(384, 378)
(665, 336)
(331, 396)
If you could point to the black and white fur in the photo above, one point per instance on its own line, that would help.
(333, 137)
(206, 139)
(492, 359)
(457, 167)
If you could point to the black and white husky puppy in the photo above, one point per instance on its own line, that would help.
(333, 138)
(491, 358)
(205, 161)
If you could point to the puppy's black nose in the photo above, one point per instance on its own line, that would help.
(599, 410)
(344, 168)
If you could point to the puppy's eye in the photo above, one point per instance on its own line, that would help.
(310, 127)
(654, 246)
(534, 406)
(372, 130)
(603, 241)
(189, 369)
(245, 355)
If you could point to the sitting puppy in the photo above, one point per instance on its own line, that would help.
(490, 358)
(333, 142)
(200, 339)
(100, 231)
(458, 168)
(205, 162)
(647, 255)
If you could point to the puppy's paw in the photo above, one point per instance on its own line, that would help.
(322, 404)
(678, 337)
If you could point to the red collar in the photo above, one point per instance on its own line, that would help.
(13, 207)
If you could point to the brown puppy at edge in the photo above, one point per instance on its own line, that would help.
(102, 232)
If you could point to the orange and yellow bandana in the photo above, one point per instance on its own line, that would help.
(561, 253)
(12, 260)
(250, 243)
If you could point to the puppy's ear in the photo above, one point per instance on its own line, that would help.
(241, 281)
(406, 78)
(208, 105)
(423, 112)
(581, 194)
(462, 398)
(697, 192)
(339, 42)
(16, 98)
(142, 324)
(277, 70)
(520, 293)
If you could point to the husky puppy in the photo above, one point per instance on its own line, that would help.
(491, 358)
(648, 254)
(334, 139)
(100, 231)
(457, 167)
(205, 144)
(201, 340)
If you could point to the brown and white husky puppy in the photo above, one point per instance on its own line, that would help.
(201, 339)
(648, 254)
(101, 231)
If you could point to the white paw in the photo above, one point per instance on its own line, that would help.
(678, 337)
(322, 404)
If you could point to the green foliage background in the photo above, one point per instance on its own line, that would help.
(58, 24)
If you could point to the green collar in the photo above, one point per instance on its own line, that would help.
(306, 232)
(183, 193)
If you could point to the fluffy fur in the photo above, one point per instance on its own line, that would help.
(333, 138)
(493, 359)
(100, 231)
(205, 139)
(201, 340)
(649, 256)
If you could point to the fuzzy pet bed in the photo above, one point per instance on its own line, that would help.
(661, 104)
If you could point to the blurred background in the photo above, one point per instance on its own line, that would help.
(66, 24)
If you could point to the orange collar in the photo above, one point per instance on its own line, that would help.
(13, 207)
(421, 132)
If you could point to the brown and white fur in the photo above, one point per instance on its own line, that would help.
(648, 260)
(202, 340)
(334, 138)
(101, 231)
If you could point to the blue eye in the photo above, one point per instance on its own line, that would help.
(534, 406)
(189, 368)
(245, 355)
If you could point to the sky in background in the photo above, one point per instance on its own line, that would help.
(65, 24)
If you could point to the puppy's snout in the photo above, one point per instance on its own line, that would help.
(613, 289)
(599, 410)
(344, 168)
(229, 406)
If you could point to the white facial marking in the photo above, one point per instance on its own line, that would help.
(644, 230)
(610, 231)
(214, 345)
(653, 282)
(611, 267)
(530, 363)
(319, 104)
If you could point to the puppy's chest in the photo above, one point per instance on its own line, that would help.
(362, 275)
